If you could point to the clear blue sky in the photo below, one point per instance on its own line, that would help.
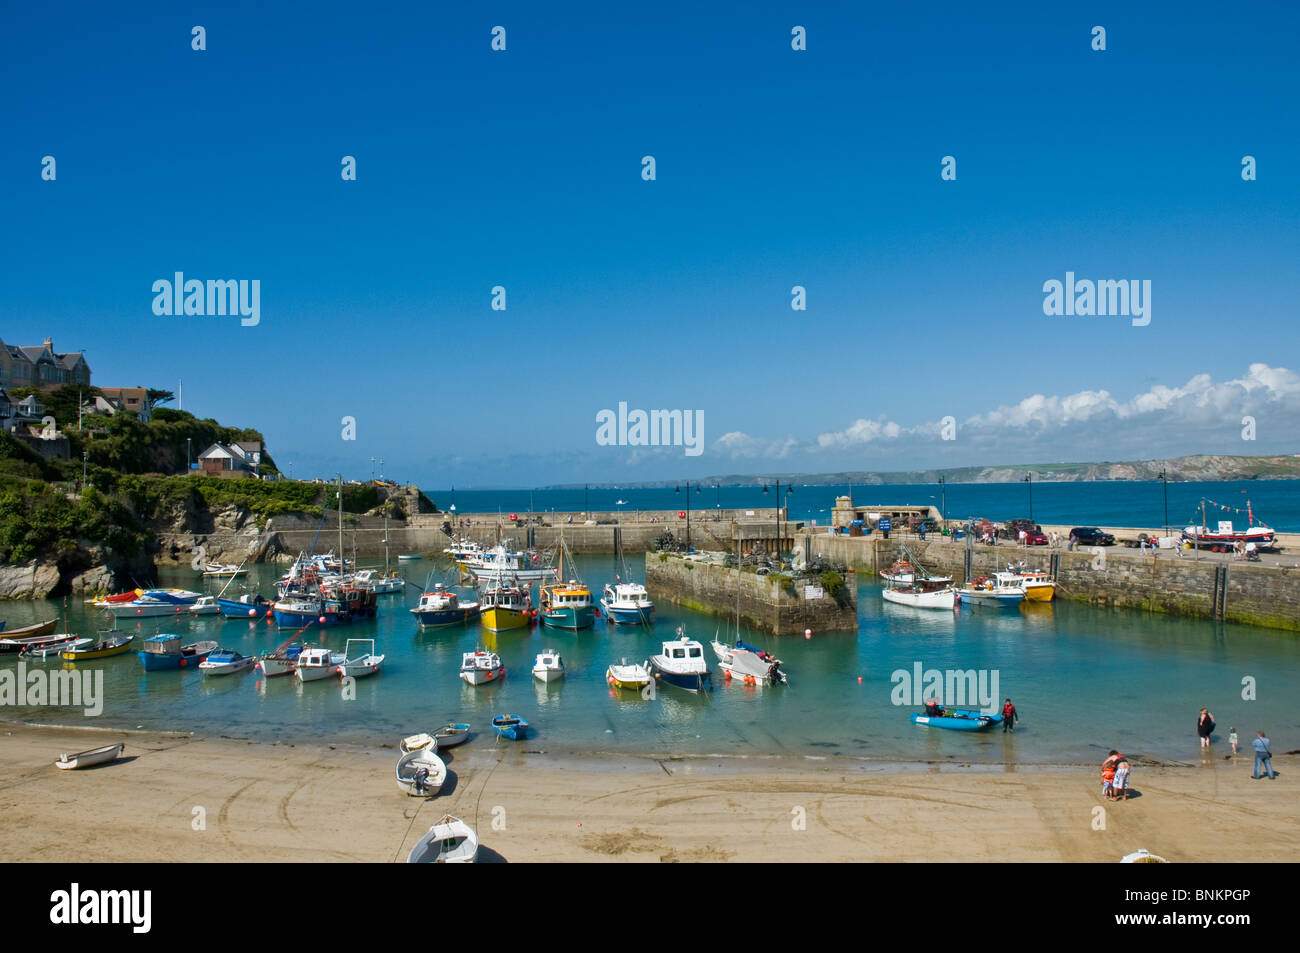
(775, 168)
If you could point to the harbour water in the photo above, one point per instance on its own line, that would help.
(1276, 502)
(1084, 679)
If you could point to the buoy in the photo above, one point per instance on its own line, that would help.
(252, 613)
(322, 620)
(807, 633)
(859, 679)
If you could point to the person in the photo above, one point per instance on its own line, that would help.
(421, 780)
(1205, 726)
(1232, 740)
(1250, 550)
(933, 709)
(1073, 542)
(1263, 756)
(1121, 778)
(1108, 779)
(1020, 537)
(1009, 717)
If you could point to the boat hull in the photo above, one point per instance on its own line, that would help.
(498, 618)
(921, 600)
(157, 662)
(86, 759)
(513, 730)
(628, 615)
(690, 682)
(274, 667)
(548, 674)
(569, 617)
(992, 600)
(1040, 593)
(233, 609)
(481, 676)
(437, 618)
(972, 721)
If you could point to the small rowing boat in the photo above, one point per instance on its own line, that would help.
(421, 773)
(450, 841)
(628, 676)
(89, 758)
(958, 719)
(16, 640)
(449, 736)
(54, 648)
(510, 726)
(113, 643)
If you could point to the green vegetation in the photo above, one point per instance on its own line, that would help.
(37, 520)
(833, 584)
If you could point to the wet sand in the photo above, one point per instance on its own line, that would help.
(176, 797)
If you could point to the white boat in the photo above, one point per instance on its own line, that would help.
(464, 550)
(422, 741)
(363, 662)
(549, 667)
(478, 668)
(681, 663)
(317, 663)
(450, 841)
(749, 664)
(226, 662)
(421, 773)
(1002, 591)
(376, 580)
(86, 759)
(630, 676)
(45, 650)
(449, 736)
(501, 563)
(925, 594)
(220, 570)
(626, 603)
(206, 605)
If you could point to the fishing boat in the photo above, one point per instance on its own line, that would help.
(681, 664)
(510, 726)
(450, 735)
(55, 649)
(1225, 537)
(419, 742)
(440, 607)
(500, 562)
(548, 667)
(361, 662)
(464, 550)
(904, 572)
(90, 758)
(380, 583)
(567, 606)
(112, 642)
(1038, 585)
(626, 603)
(248, 606)
(478, 668)
(205, 605)
(317, 663)
(748, 664)
(282, 661)
(165, 651)
(421, 773)
(958, 719)
(628, 676)
(1000, 592)
(16, 640)
(506, 608)
(924, 594)
(450, 841)
(226, 662)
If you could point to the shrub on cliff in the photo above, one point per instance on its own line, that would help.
(39, 522)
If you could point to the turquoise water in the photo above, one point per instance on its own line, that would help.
(1276, 502)
(1085, 679)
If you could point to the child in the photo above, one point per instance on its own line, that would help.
(1108, 779)
(1232, 740)
(1121, 778)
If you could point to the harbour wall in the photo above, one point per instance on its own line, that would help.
(777, 604)
(1177, 585)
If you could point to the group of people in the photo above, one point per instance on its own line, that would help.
(1260, 744)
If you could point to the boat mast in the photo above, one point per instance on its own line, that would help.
(340, 499)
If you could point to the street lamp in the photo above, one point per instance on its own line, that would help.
(688, 511)
(943, 501)
(1164, 478)
(372, 469)
(188, 457)
(788, 491)
(1029, 478)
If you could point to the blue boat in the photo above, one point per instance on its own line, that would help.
(166, 652)
(681, 664)
(439, 606)
(248, 606)
(958, 719)
(510, 726)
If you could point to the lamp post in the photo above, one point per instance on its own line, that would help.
(788, 491)
(688, 511)
(1164, 478)
(188, 457)
(372, 469)
(943, 501)
(1029, 478)
(586, 502)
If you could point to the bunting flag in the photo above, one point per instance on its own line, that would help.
(1208, 503)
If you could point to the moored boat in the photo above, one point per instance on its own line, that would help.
(478, 668)
(500, 563)
(226, 662)
(283, 661)
(506, 608)
(924, 594)
(567, 606)
(513, 727)
(1038, 585)
(165, 651)
(54, 649)
(419, 742)
(448, 736)
(361, 661)
(112, 642)
(1002, 591)
(316, 663)
(421, 773)
(90, 757)
(748, 664)
(628, 676)
(441, 607)
(248, 606)
(450, 841)
(626, 603)
(15, 640)
(548, 666)
(958, 719)
(681, 664)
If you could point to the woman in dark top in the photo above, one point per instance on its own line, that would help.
(1205, 727)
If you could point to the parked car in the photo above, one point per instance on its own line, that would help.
(1091, 536)
(1034, 535)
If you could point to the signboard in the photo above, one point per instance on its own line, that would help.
(885, 524)
(1225, 526)
(813, 592)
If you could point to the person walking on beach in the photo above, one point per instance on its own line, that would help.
(1232, 740)
(1262, 756)
(1205, 727)
(1009, 717)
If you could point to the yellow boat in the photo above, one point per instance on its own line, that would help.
(631, 677)
(509, 608)
(1038, 585)
(111, 643)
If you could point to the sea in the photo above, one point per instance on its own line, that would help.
(1136, 504)
(1084, 679)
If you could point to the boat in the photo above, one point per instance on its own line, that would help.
(566, 605)
(317, 663)
(421, 773)
(682, 664)
(513, 727)
(1002, 591)
(506, 608)
(1226, 537)
(47, 649)
(248, 606)
(748, 664)
(376, 580)
(419, 742)
(16, 640)
(1038, 585)
(450, 735)
(626, 603)
(90, 757)
(363, 662)
(958, 719)
(463, 551)
(226, 662)
(925, 594)
(629, 676)
(147, 606)
(283, 661)
(165, 651)
(478, 668)
(548, 667)
(220, 570)
(206, 605)
(904, 572)
(440, 606)
(500, 563)
(410, 556)
(450, 841)
(112, 642)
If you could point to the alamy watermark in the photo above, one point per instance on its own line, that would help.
(1084, 297)
(63, 689)
(214, 297)
(655, 428)
(954, 688)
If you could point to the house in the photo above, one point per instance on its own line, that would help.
(135, 399)
(235, 459)
(17, 416)
(41, 367)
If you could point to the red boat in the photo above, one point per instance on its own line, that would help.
(1226, 537)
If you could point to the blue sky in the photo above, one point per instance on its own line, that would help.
(775, 168)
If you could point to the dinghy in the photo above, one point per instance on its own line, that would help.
(420, 773)
(226, 662)
(86, 759)
(510, 726)
(450, 841)
(549, 667)
(16, 640)
(113, 642)
(923, 594)
(362, 662)
(631, 677)
(421, 742)
(958, 719)
(54, 648)
(451, 735)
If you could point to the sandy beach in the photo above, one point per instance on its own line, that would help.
(176, 797)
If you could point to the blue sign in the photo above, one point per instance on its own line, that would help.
(885, 524)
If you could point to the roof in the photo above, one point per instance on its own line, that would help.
(252, 446)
